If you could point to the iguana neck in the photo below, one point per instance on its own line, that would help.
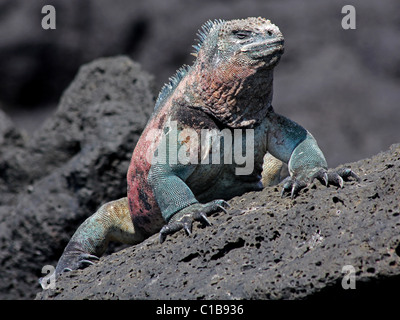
(238, 97)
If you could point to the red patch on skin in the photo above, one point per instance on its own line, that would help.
(143, 206)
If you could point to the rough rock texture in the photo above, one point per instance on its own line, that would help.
(267, 248)
(52, 181)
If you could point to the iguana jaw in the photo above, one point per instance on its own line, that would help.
(264, 46)
(268, 51)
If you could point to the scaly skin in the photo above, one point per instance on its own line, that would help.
(228, 87)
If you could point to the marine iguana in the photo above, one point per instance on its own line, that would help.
(228, 88)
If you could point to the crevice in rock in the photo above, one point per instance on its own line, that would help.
(227, 248)
(190, 257)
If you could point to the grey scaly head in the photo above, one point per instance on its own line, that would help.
(242, 42)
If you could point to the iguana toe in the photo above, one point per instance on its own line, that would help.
(196, 212)
(74, 260)
(347, 173)
(336, 178)
(322, 176)
(292, 185)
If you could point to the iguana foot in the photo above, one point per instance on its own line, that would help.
(195, 212)
(292, 186)
(74, 260)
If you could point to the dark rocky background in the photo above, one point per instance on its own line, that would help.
(76, 161)
(60, 158)
(341, 85)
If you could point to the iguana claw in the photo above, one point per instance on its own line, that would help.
(74, 260)
(223, 209)
(196, 212)
(293, 186)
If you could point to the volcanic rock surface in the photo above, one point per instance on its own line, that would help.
(53, 180)
(267, 247)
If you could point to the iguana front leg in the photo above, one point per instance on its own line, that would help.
(292, 144)
(179, 207)
(177, 202)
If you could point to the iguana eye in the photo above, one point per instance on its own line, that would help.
(242, 34)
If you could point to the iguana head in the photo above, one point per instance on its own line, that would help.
(251, 42)
(231, 78)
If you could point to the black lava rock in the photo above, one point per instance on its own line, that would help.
(267, 247)
(77, 161)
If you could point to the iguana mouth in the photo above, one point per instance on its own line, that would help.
(264, 49)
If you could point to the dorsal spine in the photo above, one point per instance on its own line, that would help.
(174, 81)
(203, 33)
(169, 87)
